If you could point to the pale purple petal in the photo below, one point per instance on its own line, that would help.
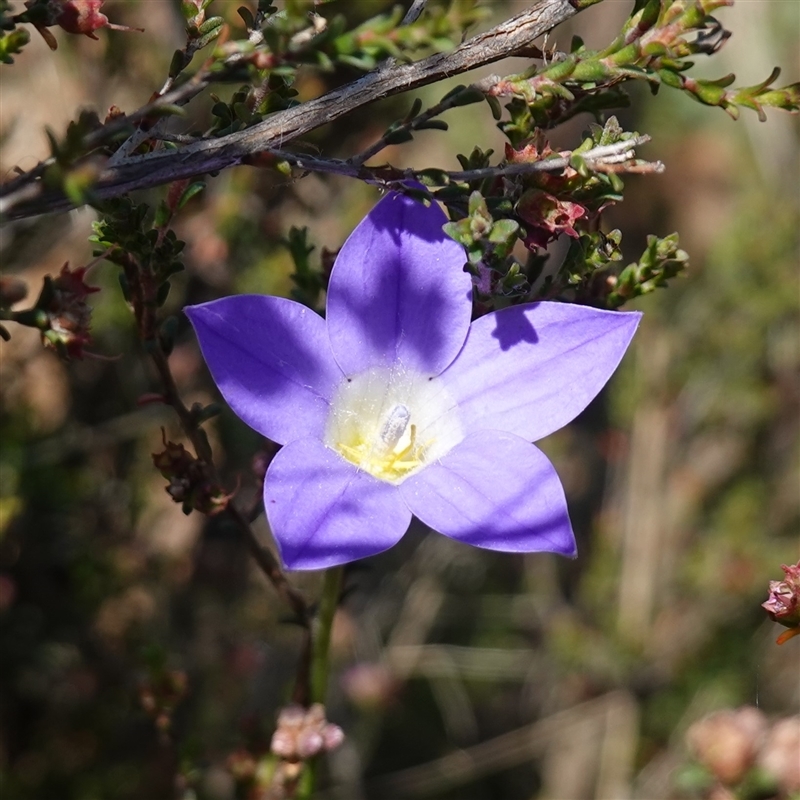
(271, 360)
(324, 511)
(398, 293)
(497, 491)
(531, 369)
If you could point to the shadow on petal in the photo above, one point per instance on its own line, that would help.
(398, 292)
(510, 331)
(324, 511)
(271, 360)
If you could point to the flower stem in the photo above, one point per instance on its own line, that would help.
(320, 655)
(317, 685)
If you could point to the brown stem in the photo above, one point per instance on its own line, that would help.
(262, 556)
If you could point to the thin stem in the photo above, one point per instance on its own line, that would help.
(262, 556)
(320, 648)
(619, 156)
(314, 666)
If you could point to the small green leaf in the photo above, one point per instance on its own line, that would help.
(177, 63)
(432, 125)
(12, 43)
(398, 137)
(468, 96)
(247, 17)
(189, 10)
(162, 215)
(209, 31)
(494, 105)
(453, 92)
(190, 192)
(504, 231)
(414, 110)
(210, 25)
(433, 177)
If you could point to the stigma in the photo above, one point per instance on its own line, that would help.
(395, 426)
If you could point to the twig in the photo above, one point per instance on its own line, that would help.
(413, 13)
(17, 200)
(262, 556)
(617, 157)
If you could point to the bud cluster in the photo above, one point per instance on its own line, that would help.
(303, 733)
(742, 755)
(190, 480)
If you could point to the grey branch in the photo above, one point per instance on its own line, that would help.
(413, 13)
(26, 198)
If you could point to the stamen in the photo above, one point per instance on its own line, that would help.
(391, 424)
(395, 426)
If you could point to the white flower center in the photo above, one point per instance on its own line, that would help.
(391, 423)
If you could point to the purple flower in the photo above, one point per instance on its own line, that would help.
(395, 405)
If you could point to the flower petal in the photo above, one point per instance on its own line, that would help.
(398, 291)
(324, 511)
(497, 491)
(532, 368)
(271, 360)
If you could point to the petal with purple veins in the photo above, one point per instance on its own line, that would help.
(324, 511)
(497, 491)
(398, 292)
(271, 360)
(531, 369)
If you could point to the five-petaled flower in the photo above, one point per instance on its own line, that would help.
(395, 405)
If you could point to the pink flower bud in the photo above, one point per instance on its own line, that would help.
(309, 743)
(304, 733)
(83, 16)
(727, 742)
(74, 16)
(783, 604)
(780, 756)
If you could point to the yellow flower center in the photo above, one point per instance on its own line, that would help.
(391, 423)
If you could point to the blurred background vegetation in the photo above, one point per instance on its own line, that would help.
(142, 654)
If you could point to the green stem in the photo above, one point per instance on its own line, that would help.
(320, 647)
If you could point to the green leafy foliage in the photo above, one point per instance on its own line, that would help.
(655, 45)
(149, 255)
